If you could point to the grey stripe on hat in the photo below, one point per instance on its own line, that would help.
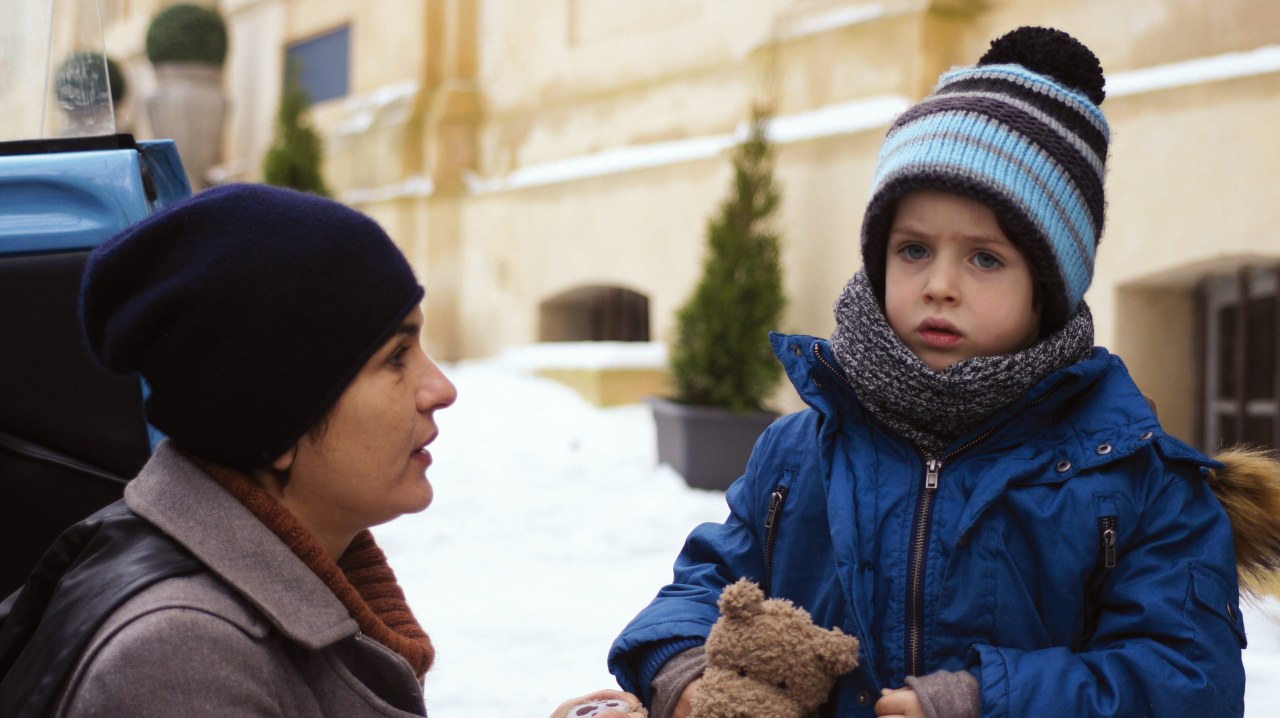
(986, 73)
(1080, 241)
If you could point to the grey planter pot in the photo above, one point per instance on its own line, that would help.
(188, 107)
(708, 446)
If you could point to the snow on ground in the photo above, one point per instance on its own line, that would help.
(551, 527)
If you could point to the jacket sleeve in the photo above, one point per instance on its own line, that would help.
(1168, 634)
(179, 662)
(714, 556)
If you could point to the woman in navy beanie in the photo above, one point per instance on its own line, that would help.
(279, 335)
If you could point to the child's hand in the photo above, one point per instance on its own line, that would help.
(899, 703)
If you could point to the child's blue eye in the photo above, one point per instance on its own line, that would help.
(913, 251)
(986, 260)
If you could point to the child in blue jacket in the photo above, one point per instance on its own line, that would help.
(979, 494)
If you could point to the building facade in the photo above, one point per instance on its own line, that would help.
(524, 152)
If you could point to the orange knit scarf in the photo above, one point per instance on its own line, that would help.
(361, 578)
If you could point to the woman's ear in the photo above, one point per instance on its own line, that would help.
(285, 460)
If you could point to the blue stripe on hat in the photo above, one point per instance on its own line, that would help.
(974, 147)
(975, 139)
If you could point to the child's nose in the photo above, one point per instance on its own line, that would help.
(941, 286)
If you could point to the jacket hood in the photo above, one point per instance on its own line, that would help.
(1248, 486)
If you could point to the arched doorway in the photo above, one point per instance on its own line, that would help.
(594, 313)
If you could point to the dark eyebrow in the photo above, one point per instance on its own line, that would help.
(409, 329)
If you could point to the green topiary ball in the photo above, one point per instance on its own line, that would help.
(187, 33)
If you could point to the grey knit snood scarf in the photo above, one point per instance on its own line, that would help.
(933, 409)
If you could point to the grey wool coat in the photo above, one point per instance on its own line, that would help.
(256, 634)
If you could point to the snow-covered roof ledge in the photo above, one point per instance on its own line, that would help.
(1216, 68)
(389, 103)
(830, 121)
(413, 187)
(593, 356)
(807, 21)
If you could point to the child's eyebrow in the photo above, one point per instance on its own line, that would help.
(990, 239)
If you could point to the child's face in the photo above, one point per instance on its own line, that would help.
(955, 286)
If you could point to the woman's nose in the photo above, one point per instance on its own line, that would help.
(435, 391)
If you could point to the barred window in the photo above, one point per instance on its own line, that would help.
(323, 64)
(1238, 322)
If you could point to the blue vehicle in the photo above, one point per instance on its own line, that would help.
(71, 434)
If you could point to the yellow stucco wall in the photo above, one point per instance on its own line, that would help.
(463, 113)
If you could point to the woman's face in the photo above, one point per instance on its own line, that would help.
(367, 464)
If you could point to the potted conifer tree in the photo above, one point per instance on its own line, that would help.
(187, 46)
(297, 153)
(721, 361)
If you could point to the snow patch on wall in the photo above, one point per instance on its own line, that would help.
(833, 120)
(1229, 66)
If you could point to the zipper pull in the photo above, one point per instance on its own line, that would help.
(775, 503)
(933, 466)
(1109, 546)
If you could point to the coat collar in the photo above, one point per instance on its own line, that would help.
(1105, 398)
(187, 504)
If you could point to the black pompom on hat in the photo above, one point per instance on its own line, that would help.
(1022, 133)
(248, 309)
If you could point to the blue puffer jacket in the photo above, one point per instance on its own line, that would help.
(1067, 552)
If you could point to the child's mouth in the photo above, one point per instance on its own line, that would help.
(939, 333)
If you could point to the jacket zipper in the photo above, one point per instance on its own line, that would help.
(771, 533)
(918, 554)
(919, 546)
(1107, 525)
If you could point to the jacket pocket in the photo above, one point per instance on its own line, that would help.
(1210, 595)
(772, 523)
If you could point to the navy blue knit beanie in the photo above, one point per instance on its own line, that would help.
(248, 309)
(1022, 133)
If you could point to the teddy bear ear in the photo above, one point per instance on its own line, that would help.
(838, 652)
(742, 599)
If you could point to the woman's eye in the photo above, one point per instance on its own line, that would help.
(913, 251)
(397, 357)
(986, 260)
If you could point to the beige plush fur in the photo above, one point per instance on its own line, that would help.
(767, 659)
(1249, 489)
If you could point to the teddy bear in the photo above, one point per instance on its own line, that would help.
(767, 659)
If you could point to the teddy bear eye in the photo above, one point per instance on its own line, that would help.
(742, 671)
(782, 685)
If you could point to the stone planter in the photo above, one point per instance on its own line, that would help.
(189, 107)
(708, 446)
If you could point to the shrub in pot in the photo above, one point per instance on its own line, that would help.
(187, 45)
(295, 157)
(722, 363)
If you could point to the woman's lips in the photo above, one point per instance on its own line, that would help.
(421, 454)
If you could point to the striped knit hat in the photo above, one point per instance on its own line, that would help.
(1020, 132)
